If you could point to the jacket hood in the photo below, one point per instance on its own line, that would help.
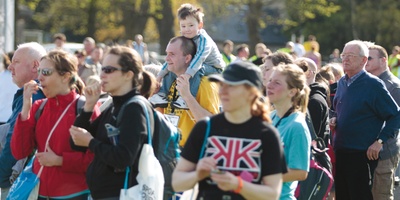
(317, 88)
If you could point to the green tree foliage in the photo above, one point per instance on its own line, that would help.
(322, 18)
(165, 22)
(378, 21)
(301, 12)
(369, 20)
(334, 22)
(48, 16)
(255, 17)
(297, 16)
(112, 21)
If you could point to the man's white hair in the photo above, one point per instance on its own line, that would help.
(35, 50)
(361, 45)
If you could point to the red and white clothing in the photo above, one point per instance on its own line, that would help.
(57, 181)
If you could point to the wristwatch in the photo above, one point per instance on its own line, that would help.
(380, 141)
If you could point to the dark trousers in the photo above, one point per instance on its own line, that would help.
(354, 173)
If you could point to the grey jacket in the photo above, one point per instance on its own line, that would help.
(392, 146)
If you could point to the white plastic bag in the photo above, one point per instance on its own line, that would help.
(150, 178)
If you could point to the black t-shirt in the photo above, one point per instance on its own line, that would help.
(253, 146)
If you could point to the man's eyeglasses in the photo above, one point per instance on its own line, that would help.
(110, 69)
(45, 71)
(343, 56)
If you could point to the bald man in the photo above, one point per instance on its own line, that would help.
(317, 104)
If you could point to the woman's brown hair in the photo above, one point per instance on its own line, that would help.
(65, 62)
(130, 60)
(259, 105)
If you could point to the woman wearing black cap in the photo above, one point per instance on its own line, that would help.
(243, 157)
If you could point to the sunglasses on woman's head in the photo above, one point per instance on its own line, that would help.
(45, 71)
(110, 69)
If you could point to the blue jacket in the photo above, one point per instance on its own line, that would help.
(362, 108)
(7, 161)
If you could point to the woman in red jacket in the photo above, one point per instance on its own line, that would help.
(63, 175)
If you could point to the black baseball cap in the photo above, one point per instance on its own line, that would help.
(241, 72)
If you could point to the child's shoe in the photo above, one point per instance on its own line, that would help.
(159, 100)
(180, 104)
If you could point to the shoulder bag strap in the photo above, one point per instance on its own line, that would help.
(203, 148)
(126, 178)
(138, 99)
(40, 109)
(52, 131)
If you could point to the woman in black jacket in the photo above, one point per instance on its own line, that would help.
(122, 77)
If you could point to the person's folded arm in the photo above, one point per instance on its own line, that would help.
(269, 189)
(207, 102)
(184, 176)
(294, 175)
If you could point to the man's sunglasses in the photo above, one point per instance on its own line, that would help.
(371, 58)
(110, 69)
(45, 71)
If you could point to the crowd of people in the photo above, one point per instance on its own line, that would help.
(262, 111)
